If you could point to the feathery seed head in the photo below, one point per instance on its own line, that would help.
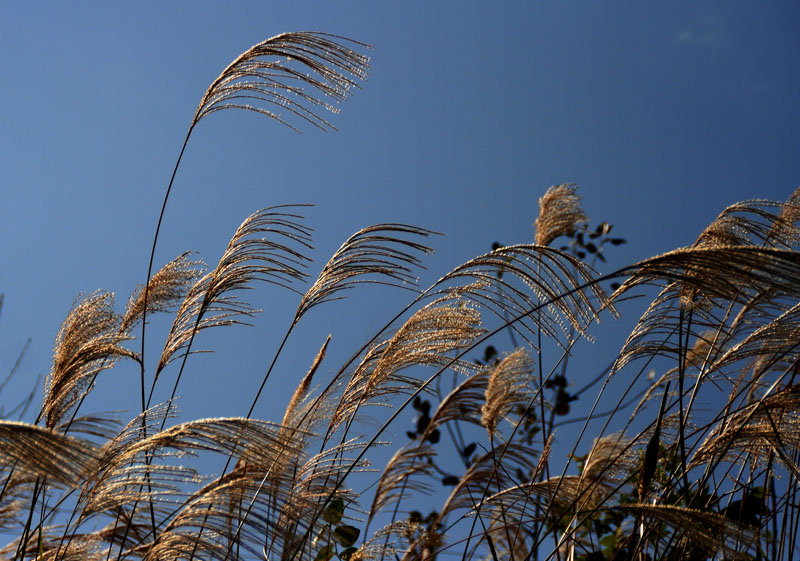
(165, 289)
(289, 76)
(509, 384)
(560, 213)
(89, 341)
(305, 384)
(784, 229)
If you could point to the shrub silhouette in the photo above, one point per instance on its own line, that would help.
(699, 462)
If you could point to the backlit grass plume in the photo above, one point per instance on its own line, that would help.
(289, 77)
(560, 213)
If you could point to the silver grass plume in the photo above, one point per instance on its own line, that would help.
(18, 488)
(302, 389)
(564, 282)
(727, 273)
(560, 213)
(784, 229)
(496, 468)
(89, 341)
(464, 403)
(165, 290)
(289, 77)
(719, 533)
(35, 450)
(770, 425)
(755, 222)
(210, 301)
(427, 338)
(509, 385)
(399, 478)
(380, 251)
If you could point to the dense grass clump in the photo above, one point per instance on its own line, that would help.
(685, 446)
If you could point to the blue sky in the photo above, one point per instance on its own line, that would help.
(663, 114)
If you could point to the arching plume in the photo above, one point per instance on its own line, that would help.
(288, 78)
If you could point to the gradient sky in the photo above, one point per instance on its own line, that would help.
(662, 113)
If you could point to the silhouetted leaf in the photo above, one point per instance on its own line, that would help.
(325, 554)
(422, 423)
(346, 535)
(469, 449)
(333, 512)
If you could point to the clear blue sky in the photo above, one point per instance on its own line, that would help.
(663, 114)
